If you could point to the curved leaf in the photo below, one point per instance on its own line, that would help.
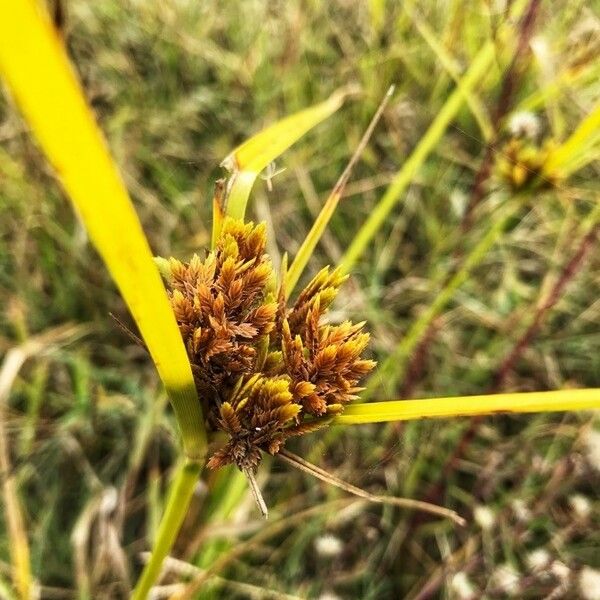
(251, 157)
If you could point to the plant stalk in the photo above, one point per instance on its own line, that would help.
(393, 368)
(478, 69)
(180, 495)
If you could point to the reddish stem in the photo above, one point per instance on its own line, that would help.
(568, 273)
(417, 362)
(509, 85)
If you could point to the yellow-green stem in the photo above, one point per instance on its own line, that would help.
(464, 406)
(476, 72)
(180, 494)
(393, 368)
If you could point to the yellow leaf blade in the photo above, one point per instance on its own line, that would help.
(316, 231)
(251, 157)
(467, 406)
(575, 152)
(39, 75)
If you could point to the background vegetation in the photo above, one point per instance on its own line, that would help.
(176, 85)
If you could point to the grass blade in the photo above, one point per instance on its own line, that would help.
(476, 72)
(314, 235)
(393, 368)
(464, 406)
(575, 152)
(249, 159)
(38, 73)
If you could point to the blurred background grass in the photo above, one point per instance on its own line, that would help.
(176, 85)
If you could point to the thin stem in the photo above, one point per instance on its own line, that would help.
(314, 235)
(256, 493)
(303, 465)
(393, 368)
(180, 494)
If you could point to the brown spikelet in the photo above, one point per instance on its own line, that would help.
(330, 362)
(255, 418)
(307, 427)
(322, 289)
(222, 305)
(263, 372)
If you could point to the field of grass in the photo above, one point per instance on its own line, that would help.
(86, 431)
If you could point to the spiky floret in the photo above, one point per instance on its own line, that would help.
(223, 305)
(263, 372)
(522, 164)
(326, 365)
(257, 417)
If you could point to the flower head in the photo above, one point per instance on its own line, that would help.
(263, 371)
(521, 164)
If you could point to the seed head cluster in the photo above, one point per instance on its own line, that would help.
(264, 371)
(521, 164)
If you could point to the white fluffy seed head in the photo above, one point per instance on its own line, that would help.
(589, 583)
(521, 510)
(560, 570)
(484, 517)
(581, 505)
(507, 578)
(538, 559)
(109, 501)
(524, 124)
(328, 546)
(461, 587)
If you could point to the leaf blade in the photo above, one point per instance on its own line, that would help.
(45, 87)
(463, 406)
(575, 152)
(253, 155)
(426, 145)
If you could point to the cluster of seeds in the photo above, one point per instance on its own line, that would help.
(521, 164)
(264, 372)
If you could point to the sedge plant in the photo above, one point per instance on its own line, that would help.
(234, 357)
